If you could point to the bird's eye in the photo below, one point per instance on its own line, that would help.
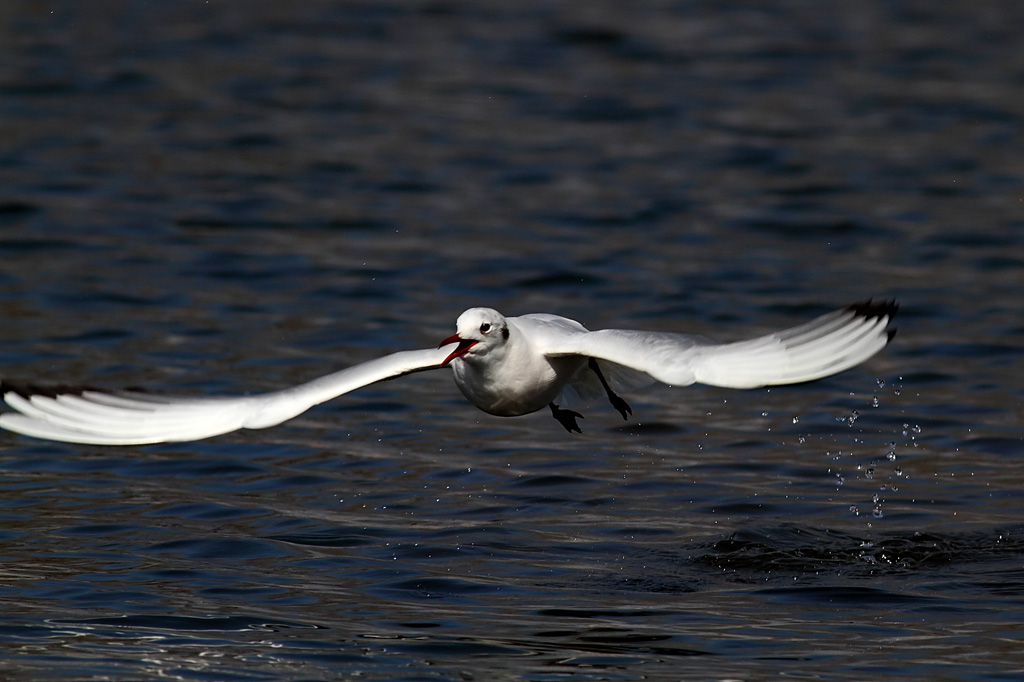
(485, 327)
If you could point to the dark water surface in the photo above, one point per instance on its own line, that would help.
(222, 197)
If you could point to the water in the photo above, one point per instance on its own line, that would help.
(208, 198)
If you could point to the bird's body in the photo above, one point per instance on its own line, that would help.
(517, 377)
(504, 366)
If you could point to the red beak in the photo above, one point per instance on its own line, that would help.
(461, 349)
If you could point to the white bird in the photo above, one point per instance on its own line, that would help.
(506, 366)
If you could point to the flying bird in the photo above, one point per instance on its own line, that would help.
(505, 366)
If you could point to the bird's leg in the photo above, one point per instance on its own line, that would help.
(618, 403)
(566, 418)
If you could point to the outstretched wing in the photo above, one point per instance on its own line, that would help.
(824, 346)
(134, 417)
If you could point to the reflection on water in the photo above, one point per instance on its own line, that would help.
(203, 199)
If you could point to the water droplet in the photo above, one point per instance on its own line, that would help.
(796, 419)
(874, 401)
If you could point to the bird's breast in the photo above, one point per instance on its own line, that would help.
(510, 389)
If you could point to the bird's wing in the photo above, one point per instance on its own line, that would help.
(824, 346)
(131, 417)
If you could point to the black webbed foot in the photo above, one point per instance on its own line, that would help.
(621, 405)
(617, 402)
(566, 418)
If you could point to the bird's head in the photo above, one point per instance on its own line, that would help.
(478, 331)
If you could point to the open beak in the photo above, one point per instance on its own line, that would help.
(461, 349)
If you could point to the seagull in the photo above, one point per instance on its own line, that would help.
(505, 366)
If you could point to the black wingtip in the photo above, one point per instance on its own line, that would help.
(27, 389)
(871, 310)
